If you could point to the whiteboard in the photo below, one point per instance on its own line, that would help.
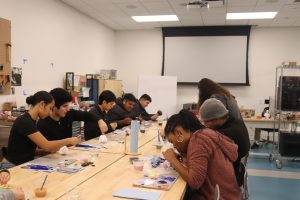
(163, 92)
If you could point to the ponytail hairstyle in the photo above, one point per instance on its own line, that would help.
(38, 97)
(186, 119)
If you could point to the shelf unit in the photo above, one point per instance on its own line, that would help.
(281, 72)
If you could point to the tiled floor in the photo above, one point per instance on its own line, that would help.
(266, 182)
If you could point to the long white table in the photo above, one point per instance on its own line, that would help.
(112, 170)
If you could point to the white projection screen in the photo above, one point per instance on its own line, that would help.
(222, 58)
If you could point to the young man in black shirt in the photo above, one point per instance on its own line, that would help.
(106, 101)
(25, 137)
(140, 108)
(122, 112)
(59, 124)
(215, 116)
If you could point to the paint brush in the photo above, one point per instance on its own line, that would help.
(44, 182)
(158, 137)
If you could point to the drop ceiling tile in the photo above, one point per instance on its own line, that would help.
(240, 9)
(130, 10)
(156, 5)
(164, 24)
(80, 5)
(274, 2)
(187, 11)
(272, 8)
(213, 21)
(283, 22)
(214, 11)
(191, 22)
(124, 1)
(102, 6)
(297, 22)
(162, 12)
(237, 22)
(239, 3)
(260, 22)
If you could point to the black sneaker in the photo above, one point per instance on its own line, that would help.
(254, 146)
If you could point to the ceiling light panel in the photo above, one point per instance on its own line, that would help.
(155, 18)
(251, 15)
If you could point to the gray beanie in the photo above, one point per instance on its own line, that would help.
(212, 109)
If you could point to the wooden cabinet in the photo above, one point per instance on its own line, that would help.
(5, 55)
(113, 85)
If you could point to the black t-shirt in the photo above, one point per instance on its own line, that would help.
(91, 129)
(20, 148)
(140, 111)
(118, 113)
(57, 130)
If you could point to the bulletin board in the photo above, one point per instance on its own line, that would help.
(5, 56)
(163, 92)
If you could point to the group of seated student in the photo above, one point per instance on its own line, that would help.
(47, 126)
(25, 136)
(117, 113)
(7, 191)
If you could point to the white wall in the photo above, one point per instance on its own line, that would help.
(140, 52)
(48, 31)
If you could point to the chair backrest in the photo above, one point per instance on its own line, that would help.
(217, 192)
(244, 160)
(245, 192)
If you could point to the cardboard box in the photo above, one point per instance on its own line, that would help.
(247, 113)
(5, 29)
(7, 106)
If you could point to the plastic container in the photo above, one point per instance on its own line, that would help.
(138, 165)
(40, 192)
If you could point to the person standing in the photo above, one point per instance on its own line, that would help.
(210, 89)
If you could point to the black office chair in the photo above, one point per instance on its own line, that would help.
(268, 141)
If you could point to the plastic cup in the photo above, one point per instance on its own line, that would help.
(142, 129)
(40, 192)
(94, 156)
(138, 165)
(160, 122)
(74, 194)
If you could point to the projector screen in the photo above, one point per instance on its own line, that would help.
(222, 58)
